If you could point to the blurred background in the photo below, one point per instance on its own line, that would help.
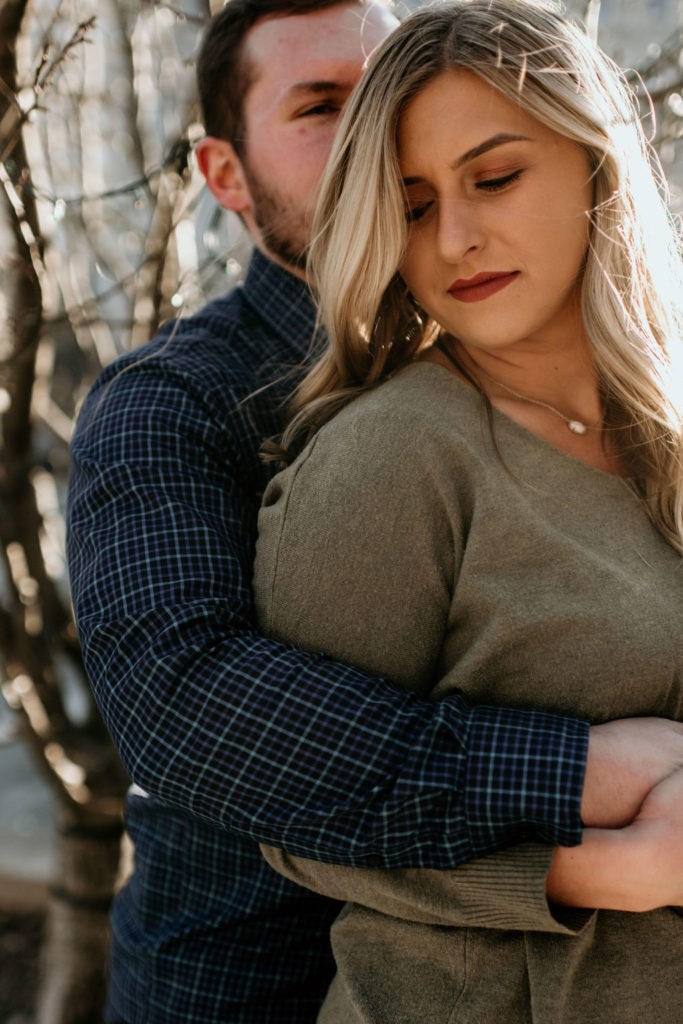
(105, 232)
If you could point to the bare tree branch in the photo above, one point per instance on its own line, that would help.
(591, 18)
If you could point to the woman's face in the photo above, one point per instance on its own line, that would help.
(497, 209)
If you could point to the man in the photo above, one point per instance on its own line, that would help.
(232, 739)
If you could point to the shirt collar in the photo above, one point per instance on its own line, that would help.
(282, 300)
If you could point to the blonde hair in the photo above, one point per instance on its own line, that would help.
(633, 282)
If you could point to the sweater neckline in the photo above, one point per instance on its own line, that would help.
(522, 433)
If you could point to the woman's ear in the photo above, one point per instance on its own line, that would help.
(222, 168)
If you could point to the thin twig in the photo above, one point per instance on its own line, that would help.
(48, 71)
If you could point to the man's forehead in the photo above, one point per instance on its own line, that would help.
(330, 45)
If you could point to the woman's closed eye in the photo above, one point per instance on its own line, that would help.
(487, 185)
(416, 212)
(496, 184)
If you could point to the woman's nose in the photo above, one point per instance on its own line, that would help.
(459, 230)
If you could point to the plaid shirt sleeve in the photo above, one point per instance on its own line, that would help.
(288, 748)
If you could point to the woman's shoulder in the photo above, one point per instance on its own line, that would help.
(420, 400)
(399, 433)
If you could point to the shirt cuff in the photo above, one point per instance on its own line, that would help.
(524, 777)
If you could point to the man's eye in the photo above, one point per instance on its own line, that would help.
(320, 109)
(494, 184)
(417, 212)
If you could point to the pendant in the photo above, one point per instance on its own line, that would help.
(577, 427)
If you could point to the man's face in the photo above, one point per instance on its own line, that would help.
(302, 69)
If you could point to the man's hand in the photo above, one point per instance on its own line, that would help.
(626, 759)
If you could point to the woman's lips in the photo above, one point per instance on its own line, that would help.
(481, 286)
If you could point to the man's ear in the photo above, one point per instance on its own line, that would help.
(222, 168)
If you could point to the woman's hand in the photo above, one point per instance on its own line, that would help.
(626, 758)
(637, 868)
(659, 824)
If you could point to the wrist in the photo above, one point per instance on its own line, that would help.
(613, 869)
(626, 759)
(608, 799)
(613, 788)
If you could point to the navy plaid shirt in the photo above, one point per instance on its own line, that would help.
(238, 739)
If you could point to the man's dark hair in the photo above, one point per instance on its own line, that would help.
(223, 75)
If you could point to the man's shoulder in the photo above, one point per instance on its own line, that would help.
(224, 337)
(248, 337)
(231, 364)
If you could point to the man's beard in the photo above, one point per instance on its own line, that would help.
(284, 231)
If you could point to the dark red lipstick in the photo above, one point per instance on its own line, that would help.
(481, 286)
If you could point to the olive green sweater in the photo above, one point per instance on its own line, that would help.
(402, 542)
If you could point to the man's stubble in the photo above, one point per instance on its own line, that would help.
(285, 231)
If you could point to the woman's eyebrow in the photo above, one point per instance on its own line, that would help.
(496, 140)
(500, 139)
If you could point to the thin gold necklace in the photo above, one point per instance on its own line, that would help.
(576, 426)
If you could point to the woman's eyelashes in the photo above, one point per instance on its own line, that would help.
(418, 211)
(497, 184)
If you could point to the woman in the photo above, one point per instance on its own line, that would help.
(492, 495)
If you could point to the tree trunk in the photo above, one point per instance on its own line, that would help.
(75, 950)
(77, 758)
